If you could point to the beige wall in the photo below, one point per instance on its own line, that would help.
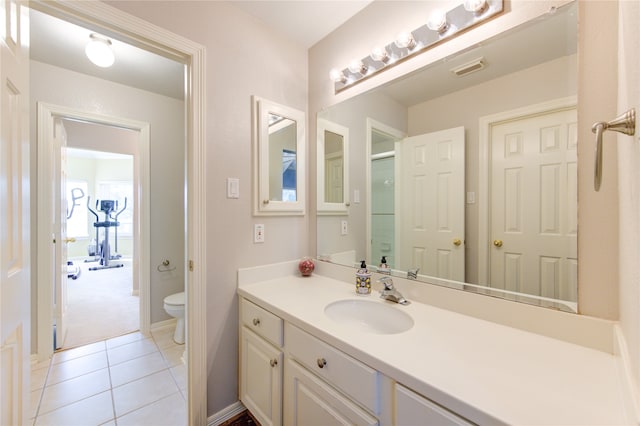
(629, 189)
(244, 58)
(66, 88)
(598, 241)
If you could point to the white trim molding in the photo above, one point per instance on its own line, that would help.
(226, 414)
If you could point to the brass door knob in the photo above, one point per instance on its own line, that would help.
(457, 242)
(497, 243)
(69, 240)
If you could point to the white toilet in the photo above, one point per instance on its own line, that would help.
(174, 305)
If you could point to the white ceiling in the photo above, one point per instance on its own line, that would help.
(60, 43)
(306, 21)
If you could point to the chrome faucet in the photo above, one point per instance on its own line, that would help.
(390, 293)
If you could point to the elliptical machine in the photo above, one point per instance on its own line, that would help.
(104, 248)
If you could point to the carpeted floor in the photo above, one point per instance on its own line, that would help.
(100, 304)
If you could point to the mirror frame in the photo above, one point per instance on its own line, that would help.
(326, 208)
(263, 205)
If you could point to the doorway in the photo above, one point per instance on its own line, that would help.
(100, 16)
(102, 298)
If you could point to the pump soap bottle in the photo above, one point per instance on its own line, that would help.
(384, 268)
(363, 280)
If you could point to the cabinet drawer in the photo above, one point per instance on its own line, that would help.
(412, 408)
(262, 322)
(358, 381)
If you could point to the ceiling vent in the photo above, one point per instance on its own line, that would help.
(469, 67)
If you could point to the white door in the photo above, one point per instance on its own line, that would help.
(534, 219)
(431, 216)
(334, 172)
(60, 240)
(14, 217)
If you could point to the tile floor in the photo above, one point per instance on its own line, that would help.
(127, 380)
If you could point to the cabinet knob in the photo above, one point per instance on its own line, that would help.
(273, 362)
(256, 321)
(265, 201)
(321, 362)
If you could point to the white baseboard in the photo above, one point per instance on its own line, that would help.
(226, 414)
(165, 323)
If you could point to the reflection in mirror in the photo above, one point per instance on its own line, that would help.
(333, 168)
(282, 159)
(278, 159)
(518, 119)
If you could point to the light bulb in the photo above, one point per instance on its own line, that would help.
(379, 54)
(99, 51)
(356, 66)
(475, 6)
(337, 76)
(438, 22)
(405, 40)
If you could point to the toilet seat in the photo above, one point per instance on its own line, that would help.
(176, 299)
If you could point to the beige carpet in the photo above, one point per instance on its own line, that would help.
(100, 304)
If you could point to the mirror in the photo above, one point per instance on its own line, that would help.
(333, 168)
(525, 74)
(279, 169)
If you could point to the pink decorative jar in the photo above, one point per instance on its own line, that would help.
(306, 266)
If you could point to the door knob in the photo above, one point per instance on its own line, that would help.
(497, 243)
(69, 240)
(457, 242)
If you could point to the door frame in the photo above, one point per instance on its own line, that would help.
(485, 125)
(46, 116)
(138, 32)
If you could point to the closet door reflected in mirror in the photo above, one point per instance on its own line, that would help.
(279, 168)
(333, 171)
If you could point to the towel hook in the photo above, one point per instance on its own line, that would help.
(625, 123)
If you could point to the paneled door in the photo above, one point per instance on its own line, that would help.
(534, 219)
(14, 215)
(430, 218)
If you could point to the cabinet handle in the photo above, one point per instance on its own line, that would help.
(321, 362)
(273, 362)
(265, 201)
(256, 321)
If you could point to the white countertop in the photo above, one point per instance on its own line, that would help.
(486, 372)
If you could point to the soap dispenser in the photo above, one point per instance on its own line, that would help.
(363, 280)
(384, 268)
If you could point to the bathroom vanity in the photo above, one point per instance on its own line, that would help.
(314, 352)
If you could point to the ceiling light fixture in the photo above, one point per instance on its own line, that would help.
(99, 51)
(440, 26)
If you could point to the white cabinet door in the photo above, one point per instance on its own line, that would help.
(309, 401)
(260, 378)
(413, 409)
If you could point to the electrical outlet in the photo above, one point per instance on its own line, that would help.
(344, 228)
(258, 233)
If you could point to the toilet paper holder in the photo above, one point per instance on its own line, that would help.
(164, 267)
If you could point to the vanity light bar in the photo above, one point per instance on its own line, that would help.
(464, 16)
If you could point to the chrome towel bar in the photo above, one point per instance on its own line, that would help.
(625, 123)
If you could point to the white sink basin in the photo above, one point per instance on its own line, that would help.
(369, 316)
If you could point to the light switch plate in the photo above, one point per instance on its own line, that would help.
(233, 188)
